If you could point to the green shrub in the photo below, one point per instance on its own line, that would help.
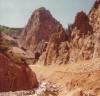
(69, 31)
(10, 31)
(3, 46)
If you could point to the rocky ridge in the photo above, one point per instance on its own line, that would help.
(84, 42)
(55, 47)
(40, 27)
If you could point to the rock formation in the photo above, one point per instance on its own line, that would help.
(47, 39)
(14, 77)
(80, 46)
(40, 27)
(85, 37)
(84, 42)
(38, 31)
(94, 16)
(82, 23)
(9, 40)
(81, 40)
(54, 47)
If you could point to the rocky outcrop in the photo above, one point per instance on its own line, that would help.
(82, 23)
(94, 16)
(55, 47)
(53, 50)
(9, 40)
(40, 27)
(85, 37)
(79, 47)
(81, 40)
(14, 77)
(84, 42)
(38, 31)
(95, 6)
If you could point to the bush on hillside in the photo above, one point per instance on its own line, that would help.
(10, 31)
(3, 46)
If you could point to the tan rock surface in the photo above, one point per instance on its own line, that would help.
(81, 75)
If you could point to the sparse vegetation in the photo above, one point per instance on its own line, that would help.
(10, 31)
(17, 58)
(69, 31)
(3, 46)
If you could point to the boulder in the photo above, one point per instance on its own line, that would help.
(14, 77)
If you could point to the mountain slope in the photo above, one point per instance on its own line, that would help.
(84, 42)
(10, 31)
(40, 27)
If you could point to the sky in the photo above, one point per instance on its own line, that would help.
(15, 13)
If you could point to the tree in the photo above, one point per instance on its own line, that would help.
(69, 31)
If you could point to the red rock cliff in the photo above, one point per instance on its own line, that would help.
(40, 27)
(14, 77)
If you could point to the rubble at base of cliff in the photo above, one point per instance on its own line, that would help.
(45, 89)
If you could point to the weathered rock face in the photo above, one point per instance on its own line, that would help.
(40, 27)
(15, 77)
(85, 37)
(79, 47)
(94, 16)
(54, 49)
(46, 38)
(9, 40)
(95, 6)
(81, 40)
(84, 42)
(82, 23)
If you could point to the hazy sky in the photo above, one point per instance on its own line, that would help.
(15, 13)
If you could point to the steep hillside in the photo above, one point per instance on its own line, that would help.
(39, 29)
(14, 72)
(13, 77)
(10, 31)
(83, 43)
